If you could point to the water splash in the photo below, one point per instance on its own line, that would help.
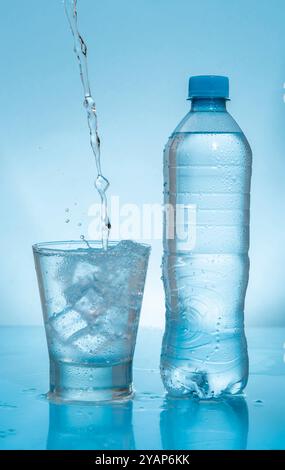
(80, 50)
(85, 241)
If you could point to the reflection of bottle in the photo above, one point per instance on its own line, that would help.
(198, 425)
(91, 427)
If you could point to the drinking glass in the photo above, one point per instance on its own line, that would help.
(91, 301)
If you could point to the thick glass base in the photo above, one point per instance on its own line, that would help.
(70, 382)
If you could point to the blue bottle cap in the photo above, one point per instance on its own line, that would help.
(208, 86)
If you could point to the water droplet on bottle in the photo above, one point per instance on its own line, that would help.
(67, 221)
(67, 209)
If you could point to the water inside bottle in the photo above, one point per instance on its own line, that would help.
(204, 350)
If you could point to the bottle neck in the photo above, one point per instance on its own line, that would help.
(208, 104)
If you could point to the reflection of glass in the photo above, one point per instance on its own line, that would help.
(90, 427)
(91, 301)
(214, 424)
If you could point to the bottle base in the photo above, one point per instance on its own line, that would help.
(181, 383)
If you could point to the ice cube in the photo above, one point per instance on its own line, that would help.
(105, 343)
(84, 277)
(84, 273)
(102, 348)
(128, 265)
(91, 304)
(74, 292)
(116, 320)
(67, 323)
(90, 344)
(117, 285)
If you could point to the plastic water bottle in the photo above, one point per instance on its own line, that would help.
(207, 168)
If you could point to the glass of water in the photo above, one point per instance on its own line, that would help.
(91, 301)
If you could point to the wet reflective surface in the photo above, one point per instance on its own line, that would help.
(151, 420)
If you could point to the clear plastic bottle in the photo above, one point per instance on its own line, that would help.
(207, 164)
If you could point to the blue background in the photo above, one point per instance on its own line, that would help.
(141, 54)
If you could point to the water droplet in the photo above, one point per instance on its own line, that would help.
(67, 209)
(258, 402)
(7, 405)
(67, 221)
(79, 224)
(43, 396)
(101, 184)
